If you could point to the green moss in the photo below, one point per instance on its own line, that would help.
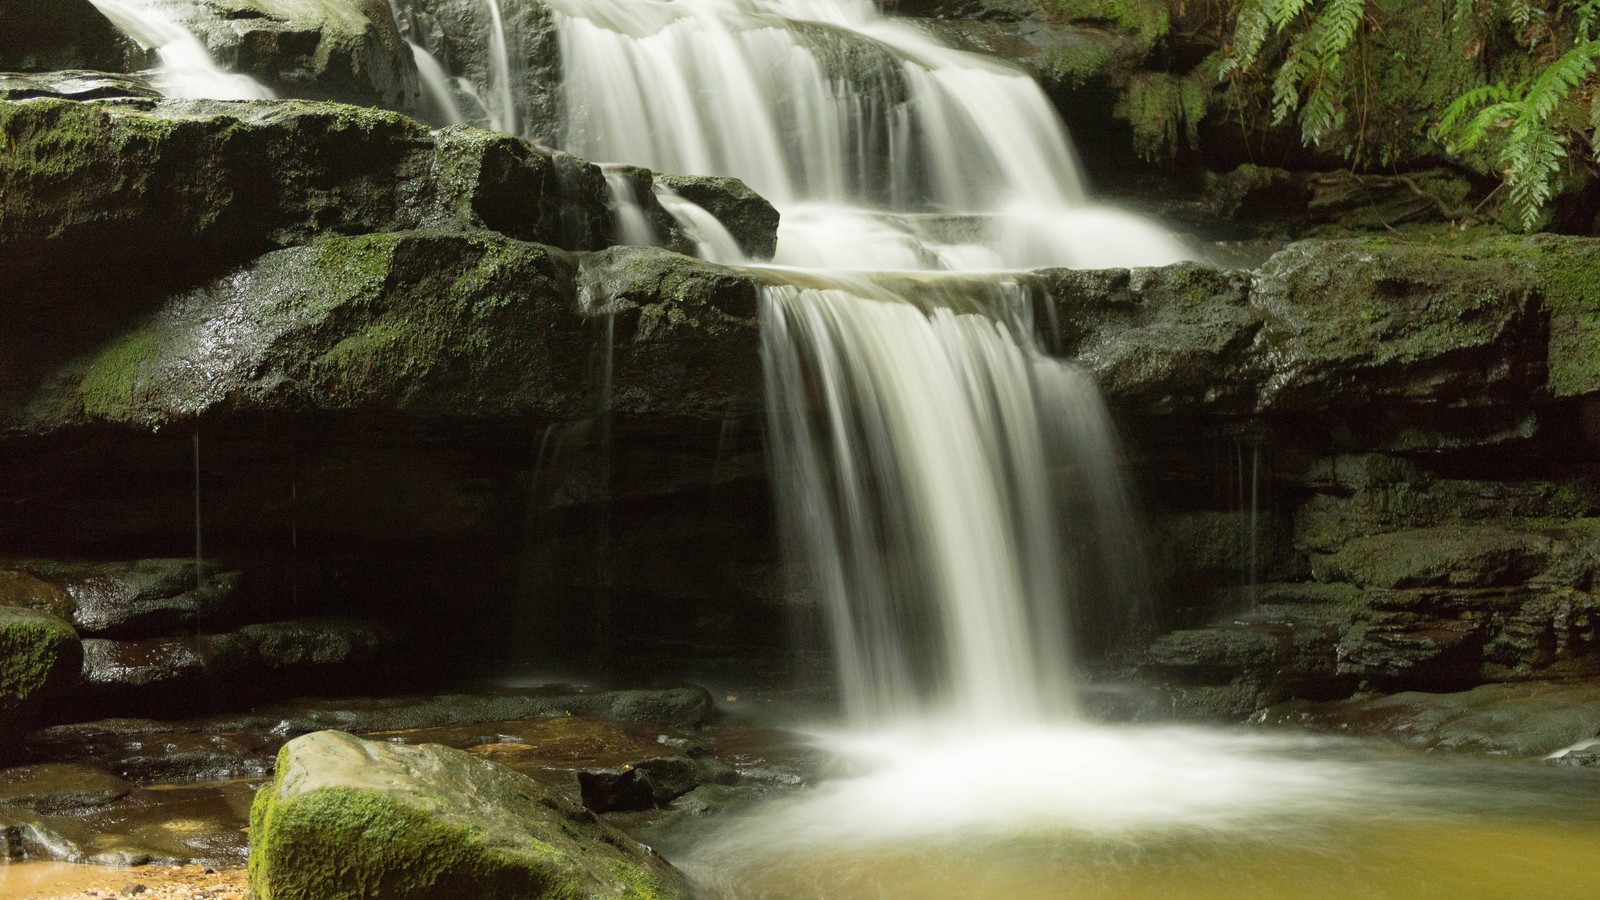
(1165, 111)
(1076, 64)
(113, 383)
(34, 647)
(348, 844)
(1146, 21)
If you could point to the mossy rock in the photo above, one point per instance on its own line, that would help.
(1453, 556)
(39, 656)
(456, 325)
(1354, 321)
(686, 338)
(350, 51)
(346, 818)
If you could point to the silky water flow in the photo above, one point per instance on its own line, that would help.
(954, 494)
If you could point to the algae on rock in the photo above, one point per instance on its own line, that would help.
(346, 818)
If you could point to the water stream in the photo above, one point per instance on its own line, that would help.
(187, 69)
(954, 493)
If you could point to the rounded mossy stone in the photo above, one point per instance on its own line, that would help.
(346, 818)
(38, 653)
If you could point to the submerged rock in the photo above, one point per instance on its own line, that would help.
(346, 818)
(59, 788)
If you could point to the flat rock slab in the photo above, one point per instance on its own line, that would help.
(348, 818)
(1531, 719)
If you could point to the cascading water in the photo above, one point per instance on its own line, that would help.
(923, 455)
(901, 134)
(187, 69)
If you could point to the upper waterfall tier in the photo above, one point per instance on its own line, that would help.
(839, 115)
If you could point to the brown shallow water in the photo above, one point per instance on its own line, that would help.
(1462, 861)
(59, 881)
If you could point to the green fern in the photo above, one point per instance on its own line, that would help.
(1531, 149)
(1313, 80)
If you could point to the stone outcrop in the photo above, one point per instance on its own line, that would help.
(345, 50)
(345, 817)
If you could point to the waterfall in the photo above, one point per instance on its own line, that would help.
(503, 102)
(436, 87)
(627, 208)
(895, 126)
(922, 451)
(187, 69)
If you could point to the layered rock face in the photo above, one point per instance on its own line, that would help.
(374, 371)
(1370, 464)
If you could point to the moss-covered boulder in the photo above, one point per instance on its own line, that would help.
(39, 656)
(747, 215)
(345, 818)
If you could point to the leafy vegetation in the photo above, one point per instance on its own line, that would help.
(1526, 108)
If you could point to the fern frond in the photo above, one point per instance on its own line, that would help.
(1248, 38)
(1560, 77)
(1481, 124)
(1471, 100)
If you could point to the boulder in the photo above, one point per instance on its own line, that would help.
(347, 818)
(345, 50)
(40, 656)
(747, 215)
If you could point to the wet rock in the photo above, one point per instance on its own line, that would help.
(39, 659)
(139, 597)
(686, 336)
(22, 588)
(314, 644)
(451, 825)
(51, 35)
(163, 675)
(1517, 720)
(74, 84)
(345, 50)
(486, 179)
(1163, 338)
(1345, 324)
(464, 325)
(460, 33)
(59, 788)
(748, 216)
(647, 784)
